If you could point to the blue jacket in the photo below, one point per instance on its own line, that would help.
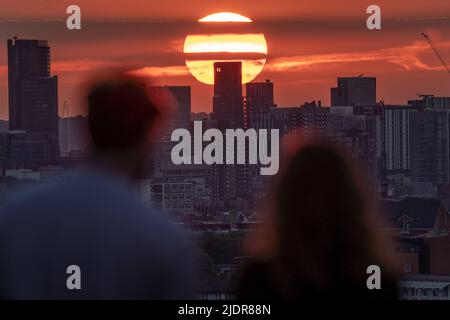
(124, 249)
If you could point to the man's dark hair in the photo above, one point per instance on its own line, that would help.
(120, 113)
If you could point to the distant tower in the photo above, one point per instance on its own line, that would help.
(33, 92)
(33, 104)
(354, 91)
(66, 133)
(258, 102)
(229, 182)
(228, 103)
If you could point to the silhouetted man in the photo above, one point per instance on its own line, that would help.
(88, 236)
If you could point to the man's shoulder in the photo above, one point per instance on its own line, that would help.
(102, 200)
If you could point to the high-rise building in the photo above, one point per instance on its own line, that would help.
(357, 133)
(259, 96)
(395, 136)
(429, 146)
(258, 102)
(228, 181)
(228, 103)
(33, 92)
(429, 101)
(354, 91)
(306, 121)
(28, 150)
(33, 103)
(172, 196)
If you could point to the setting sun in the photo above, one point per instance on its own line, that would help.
(202, 50)
(225, 17)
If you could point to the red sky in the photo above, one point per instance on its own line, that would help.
(310, 43)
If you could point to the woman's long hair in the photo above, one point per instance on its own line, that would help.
(323, 234)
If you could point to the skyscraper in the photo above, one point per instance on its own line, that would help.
(396, 138)
(259, 96)
(33, 92)
(354, 91)
(259, 101)
(228, 103)
(33, 103)
(357, 133)
(297, 123)
(228, 181)
(429, 146)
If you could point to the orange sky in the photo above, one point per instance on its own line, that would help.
(310, 43)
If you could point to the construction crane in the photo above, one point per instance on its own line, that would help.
(427, 38)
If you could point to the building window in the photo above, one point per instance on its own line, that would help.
(405, 227)
(407, 268)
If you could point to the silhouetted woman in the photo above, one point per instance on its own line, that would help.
(323, 242)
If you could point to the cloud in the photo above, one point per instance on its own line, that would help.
(81, 65)
(408, 57)
(84, 65)
(171, 71)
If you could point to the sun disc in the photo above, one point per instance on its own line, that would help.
(202, 50)
(225, 17)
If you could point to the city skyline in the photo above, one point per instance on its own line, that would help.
(305, 54)
(214, 182)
